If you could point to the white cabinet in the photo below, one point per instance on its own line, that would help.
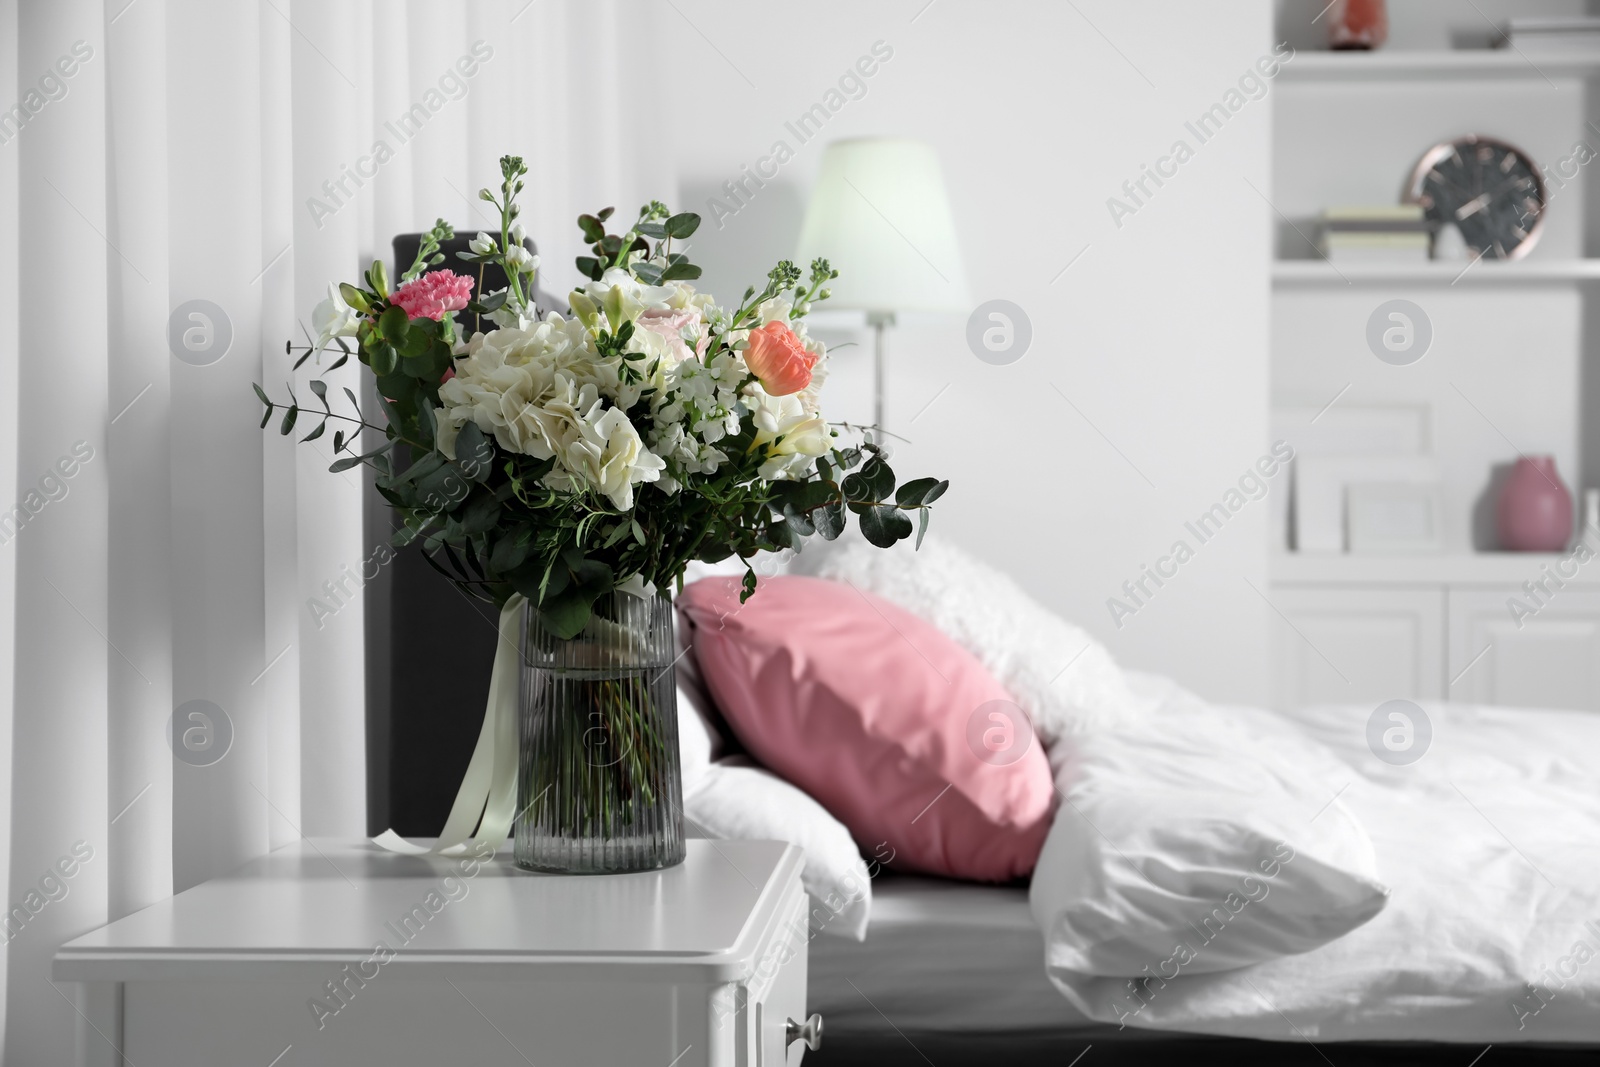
(339, 954)
(1356, 646)
(1550, 659)
(1362, 630)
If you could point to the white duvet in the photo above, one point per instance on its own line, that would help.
(1490, 847)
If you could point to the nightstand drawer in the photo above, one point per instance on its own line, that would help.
(782, 996)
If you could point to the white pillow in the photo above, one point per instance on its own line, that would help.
(1199, 838)
(697, 737)
(735, 799)
(1063, 678)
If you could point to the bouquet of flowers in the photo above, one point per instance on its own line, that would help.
(565, 456)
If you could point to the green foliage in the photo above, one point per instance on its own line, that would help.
(483, 515)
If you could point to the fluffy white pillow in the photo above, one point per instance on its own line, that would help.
(728, 797)
(736, 799)
(1063, 678)
(1198, 838)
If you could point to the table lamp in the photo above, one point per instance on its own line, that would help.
(879, 213)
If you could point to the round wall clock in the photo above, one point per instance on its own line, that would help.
(1488, 189)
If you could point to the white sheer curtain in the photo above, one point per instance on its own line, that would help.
(225, 152)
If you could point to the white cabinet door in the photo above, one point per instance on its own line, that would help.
(1356, 646)
(1547, 660)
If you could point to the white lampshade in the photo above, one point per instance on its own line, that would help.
(880, 215)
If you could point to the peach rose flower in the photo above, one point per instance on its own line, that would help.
(779, 360)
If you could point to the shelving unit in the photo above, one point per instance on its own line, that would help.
(1515, 350)
(1465, 65)
(1450, 569)
(1312, 272)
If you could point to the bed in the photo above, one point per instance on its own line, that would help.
(1479, 938)
(1489, 945)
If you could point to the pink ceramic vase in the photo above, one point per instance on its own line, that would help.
(1534, 512)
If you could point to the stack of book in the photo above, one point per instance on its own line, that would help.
(1554, 36)
(1387, 233)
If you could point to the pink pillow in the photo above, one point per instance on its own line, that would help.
(890, 725)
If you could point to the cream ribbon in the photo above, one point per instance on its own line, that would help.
(486, 801)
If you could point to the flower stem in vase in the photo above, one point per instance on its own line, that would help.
(599, 773)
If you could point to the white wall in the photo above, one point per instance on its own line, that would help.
(1157, 334)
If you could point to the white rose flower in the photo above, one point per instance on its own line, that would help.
(332, 317)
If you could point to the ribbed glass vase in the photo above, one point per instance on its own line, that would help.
(600, 790)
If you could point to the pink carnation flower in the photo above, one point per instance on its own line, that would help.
(433, 294)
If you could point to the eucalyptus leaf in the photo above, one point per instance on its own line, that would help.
(680, 271)
(883, 526)
(798, 521)
(384, 359)
(921, 491)
(353, 461)
(682, 225)
(829, 520)
(566, 613)
(510, 550)
(593, 229)
(481, 514)
(393, 323)
(474, 453)
(783, 535)
(430, 429)
(416, 343)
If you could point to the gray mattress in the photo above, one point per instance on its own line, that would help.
(939, 956)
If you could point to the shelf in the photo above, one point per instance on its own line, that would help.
(1318, 272)
(1466, 64)
(1464, 568)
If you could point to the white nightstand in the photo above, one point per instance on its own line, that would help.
(338, 953)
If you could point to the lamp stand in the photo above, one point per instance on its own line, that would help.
(879, 321)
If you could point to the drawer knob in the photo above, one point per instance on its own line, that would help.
(810, 1032)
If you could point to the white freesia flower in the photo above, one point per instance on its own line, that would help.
(482, 244)
(622, 296)
(792, 437)
(332, 317)
(524, 260)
